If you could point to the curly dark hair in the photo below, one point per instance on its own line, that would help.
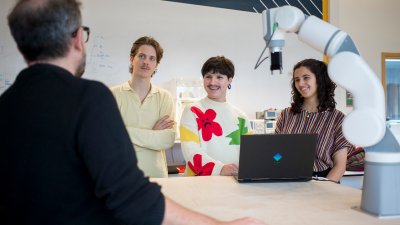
(325, 86)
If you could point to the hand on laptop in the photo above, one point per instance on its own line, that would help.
(229, 170)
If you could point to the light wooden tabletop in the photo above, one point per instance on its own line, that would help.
(294, 203)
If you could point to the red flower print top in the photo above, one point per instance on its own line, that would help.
(210, 136)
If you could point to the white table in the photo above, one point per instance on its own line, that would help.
(294, 203)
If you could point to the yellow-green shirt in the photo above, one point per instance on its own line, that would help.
(139, 119)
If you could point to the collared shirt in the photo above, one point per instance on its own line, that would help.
(328, 126)
(139, 119)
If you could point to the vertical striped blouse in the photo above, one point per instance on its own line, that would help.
(328, 126)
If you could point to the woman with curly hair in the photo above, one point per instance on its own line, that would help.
(313, 110)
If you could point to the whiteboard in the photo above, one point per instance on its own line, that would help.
(189, 34)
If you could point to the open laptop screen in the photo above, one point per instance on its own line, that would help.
(276, 157)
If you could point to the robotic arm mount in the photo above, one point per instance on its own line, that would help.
(365, 126)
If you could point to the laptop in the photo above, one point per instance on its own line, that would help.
(276, 157)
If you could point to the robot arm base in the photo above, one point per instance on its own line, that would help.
(381, 194)
(389, 143)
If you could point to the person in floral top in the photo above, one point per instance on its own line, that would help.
(210, 129)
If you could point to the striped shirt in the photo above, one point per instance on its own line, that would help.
(328, 126)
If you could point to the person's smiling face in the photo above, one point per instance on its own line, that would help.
(305, 82)
(216, 85)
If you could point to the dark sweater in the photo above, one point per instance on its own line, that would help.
(65, 155)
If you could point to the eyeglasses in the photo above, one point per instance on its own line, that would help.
(85, 34)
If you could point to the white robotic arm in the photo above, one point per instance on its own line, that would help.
(346, 68)
(365, 126)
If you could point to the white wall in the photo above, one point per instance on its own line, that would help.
(11, 61)
(191, 34)
(373, 25)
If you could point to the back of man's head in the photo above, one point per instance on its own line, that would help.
(43, 29)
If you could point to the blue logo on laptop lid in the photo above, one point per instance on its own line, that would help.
(277, 157)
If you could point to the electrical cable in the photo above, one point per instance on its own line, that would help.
(324, 179)
(258, 63)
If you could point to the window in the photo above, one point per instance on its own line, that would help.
(391, 84)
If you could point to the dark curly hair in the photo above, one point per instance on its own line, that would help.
(325, 86)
